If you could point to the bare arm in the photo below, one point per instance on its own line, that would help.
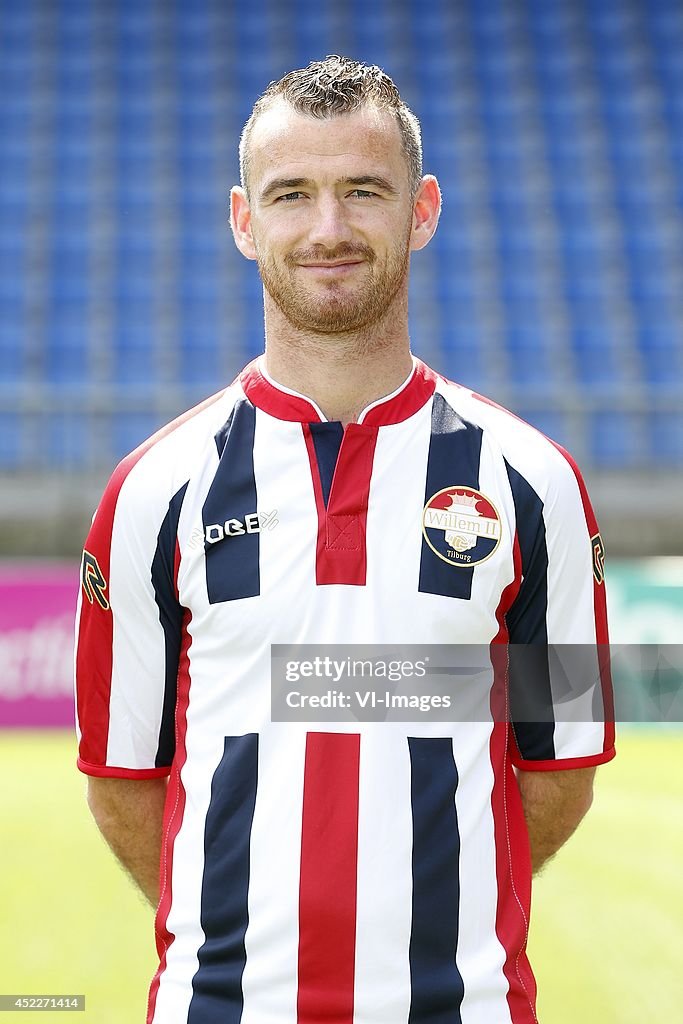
(554, 805)
(129, 815)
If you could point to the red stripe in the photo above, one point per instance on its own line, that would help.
(499, 654)
(173, 818)
(513, 855)
(327, 887)
(509, 595)
(176, 567)
(600, 612)
(341, 550)
(513, 873)
(96, 625)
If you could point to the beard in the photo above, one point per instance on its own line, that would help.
(336, 307)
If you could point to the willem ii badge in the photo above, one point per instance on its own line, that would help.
(461, 525)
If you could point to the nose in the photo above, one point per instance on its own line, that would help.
(330, 225)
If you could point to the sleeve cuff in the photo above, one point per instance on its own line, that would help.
(564, 764)
(105, 771)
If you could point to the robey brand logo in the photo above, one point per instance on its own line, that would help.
(252, 522)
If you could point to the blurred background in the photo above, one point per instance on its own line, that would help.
(554, 285)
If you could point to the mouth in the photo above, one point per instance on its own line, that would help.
(331, 269)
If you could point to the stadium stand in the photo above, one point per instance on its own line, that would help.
(555, 282)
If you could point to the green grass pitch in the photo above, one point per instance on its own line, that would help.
(606, 936)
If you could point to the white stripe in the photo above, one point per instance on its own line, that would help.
(480, 955)
(383, 921)
(397, 492)
(138, 655)
(571, 613)
(269, 981)
(284, 486)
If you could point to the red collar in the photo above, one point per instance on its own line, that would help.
(277, 401)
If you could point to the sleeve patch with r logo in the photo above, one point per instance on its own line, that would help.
(598, 558)
(93, 581)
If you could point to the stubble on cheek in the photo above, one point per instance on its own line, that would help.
(334, 307)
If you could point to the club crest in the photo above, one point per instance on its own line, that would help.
(461, 526)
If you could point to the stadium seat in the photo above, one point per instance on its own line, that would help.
(67, 440)
(11, 441)
(12, 352)
(661, 347)
(616, 439)
(666, 438)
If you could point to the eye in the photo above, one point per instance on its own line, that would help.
(289, 197)
(362, 193)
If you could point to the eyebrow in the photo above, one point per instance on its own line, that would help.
(380, 183)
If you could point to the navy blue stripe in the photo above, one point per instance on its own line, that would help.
(327, 439)
(454, 453)
(171, 618)
(217, 985)
(531, 704)
(436, 983)
(232, 562)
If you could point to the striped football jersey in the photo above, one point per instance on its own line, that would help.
(363, 873)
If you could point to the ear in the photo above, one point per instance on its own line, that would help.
(240, 222)
(426, 210)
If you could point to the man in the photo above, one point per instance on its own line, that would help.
(375, 872)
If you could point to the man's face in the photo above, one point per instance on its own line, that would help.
(330, 215)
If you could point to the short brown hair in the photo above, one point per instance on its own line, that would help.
(334, 86)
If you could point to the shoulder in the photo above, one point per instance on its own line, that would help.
(546, 466)
(146, 480)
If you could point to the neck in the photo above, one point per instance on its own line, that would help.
(341, 373)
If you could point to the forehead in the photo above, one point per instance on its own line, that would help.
(291, 144)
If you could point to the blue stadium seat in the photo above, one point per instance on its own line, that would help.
(661, 347)
(199, 352)
(12, 350)
(11, 440)
(598, 358)
(615, 439)
(666, 438)
(67, 349)
(133, 355)
(66, 440)
(530, 356)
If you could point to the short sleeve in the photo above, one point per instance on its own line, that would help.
(129, 627)
(560, 690)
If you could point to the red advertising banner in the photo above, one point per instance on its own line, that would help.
(37, 616)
